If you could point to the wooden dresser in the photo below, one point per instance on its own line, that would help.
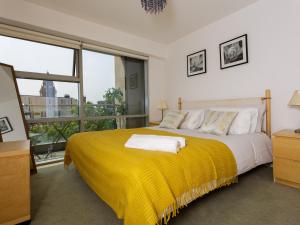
(14, 182)
(286, 158)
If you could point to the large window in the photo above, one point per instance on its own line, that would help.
(68, 90)
(46, 99)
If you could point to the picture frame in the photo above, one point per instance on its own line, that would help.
(5, 125)
(133, 81)
(196, 63)
(234, 52)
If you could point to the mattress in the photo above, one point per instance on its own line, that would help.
(249, 150)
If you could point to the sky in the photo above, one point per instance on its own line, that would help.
(98, 68)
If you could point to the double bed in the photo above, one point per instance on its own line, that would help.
(148, 188)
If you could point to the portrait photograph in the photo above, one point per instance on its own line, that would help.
(234, 52)
(196, 63)
(5, 125)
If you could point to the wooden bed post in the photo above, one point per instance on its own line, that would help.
(179, 104)
(268, 112)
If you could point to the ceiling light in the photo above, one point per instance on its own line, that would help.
(153, 6)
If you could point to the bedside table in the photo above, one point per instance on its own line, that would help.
(154, 123)
(14, 182)
(286, 158)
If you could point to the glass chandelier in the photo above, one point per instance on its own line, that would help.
(153, 6)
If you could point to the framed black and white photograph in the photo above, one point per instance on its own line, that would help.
(234, 52)
(5, 126)
(196, 63)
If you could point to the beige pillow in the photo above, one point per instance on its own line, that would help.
(217, 122)
(193, 119)
(172, 119)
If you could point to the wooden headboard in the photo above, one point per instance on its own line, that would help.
(265, 100)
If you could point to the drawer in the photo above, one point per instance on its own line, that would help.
(287, 148)
(287, 170)
(14, 188)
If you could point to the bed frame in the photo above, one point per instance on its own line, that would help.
(265, 100)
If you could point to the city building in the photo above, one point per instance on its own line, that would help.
(48, 105)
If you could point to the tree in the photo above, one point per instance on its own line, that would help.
(113, 104)
(114, 97)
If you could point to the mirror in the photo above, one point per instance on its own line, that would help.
(12, 122)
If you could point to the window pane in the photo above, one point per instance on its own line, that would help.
(36, 57)
(52, 133)
(48, 99)
(113, 85)
(48, 140)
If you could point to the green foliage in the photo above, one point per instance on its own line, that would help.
(114, 98)
(52, 133)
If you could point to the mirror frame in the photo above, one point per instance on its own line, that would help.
(33, 169)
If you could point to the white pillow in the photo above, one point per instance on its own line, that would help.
(241, 124)
(173, 119)
(193, 119)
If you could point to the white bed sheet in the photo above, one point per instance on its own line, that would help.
(249, 150)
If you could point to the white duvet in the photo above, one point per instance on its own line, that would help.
(249, 150)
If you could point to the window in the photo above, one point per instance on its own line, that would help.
(113, 86)
(31, 56)
(45, 101)
(113, 90)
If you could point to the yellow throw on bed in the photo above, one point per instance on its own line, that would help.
(146, 187)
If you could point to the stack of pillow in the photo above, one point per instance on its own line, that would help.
(217, 120)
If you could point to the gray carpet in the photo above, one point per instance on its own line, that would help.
(60, 197)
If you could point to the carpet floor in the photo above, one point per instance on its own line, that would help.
(61, 197)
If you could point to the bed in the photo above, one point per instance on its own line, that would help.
(148, 188)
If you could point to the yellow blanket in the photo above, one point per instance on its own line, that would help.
(146, 187)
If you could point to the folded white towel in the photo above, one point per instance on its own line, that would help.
(181, 140)
(155, 143)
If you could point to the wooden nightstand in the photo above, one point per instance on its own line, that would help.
(14, 182)
(154, 123)
(286, 158)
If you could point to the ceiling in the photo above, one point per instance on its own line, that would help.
(179, 18)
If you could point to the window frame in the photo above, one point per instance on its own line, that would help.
(77, 71)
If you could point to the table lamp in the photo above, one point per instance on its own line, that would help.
(162, 106)
(295, 101)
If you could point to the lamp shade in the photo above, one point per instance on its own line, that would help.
(162, 105)
(295, 100)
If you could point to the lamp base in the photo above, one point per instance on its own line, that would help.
(297, 131)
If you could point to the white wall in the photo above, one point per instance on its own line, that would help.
(157, 86)
(274, 46)
(24, 12)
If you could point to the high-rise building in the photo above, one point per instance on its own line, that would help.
(48, 91)
(48, 104)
